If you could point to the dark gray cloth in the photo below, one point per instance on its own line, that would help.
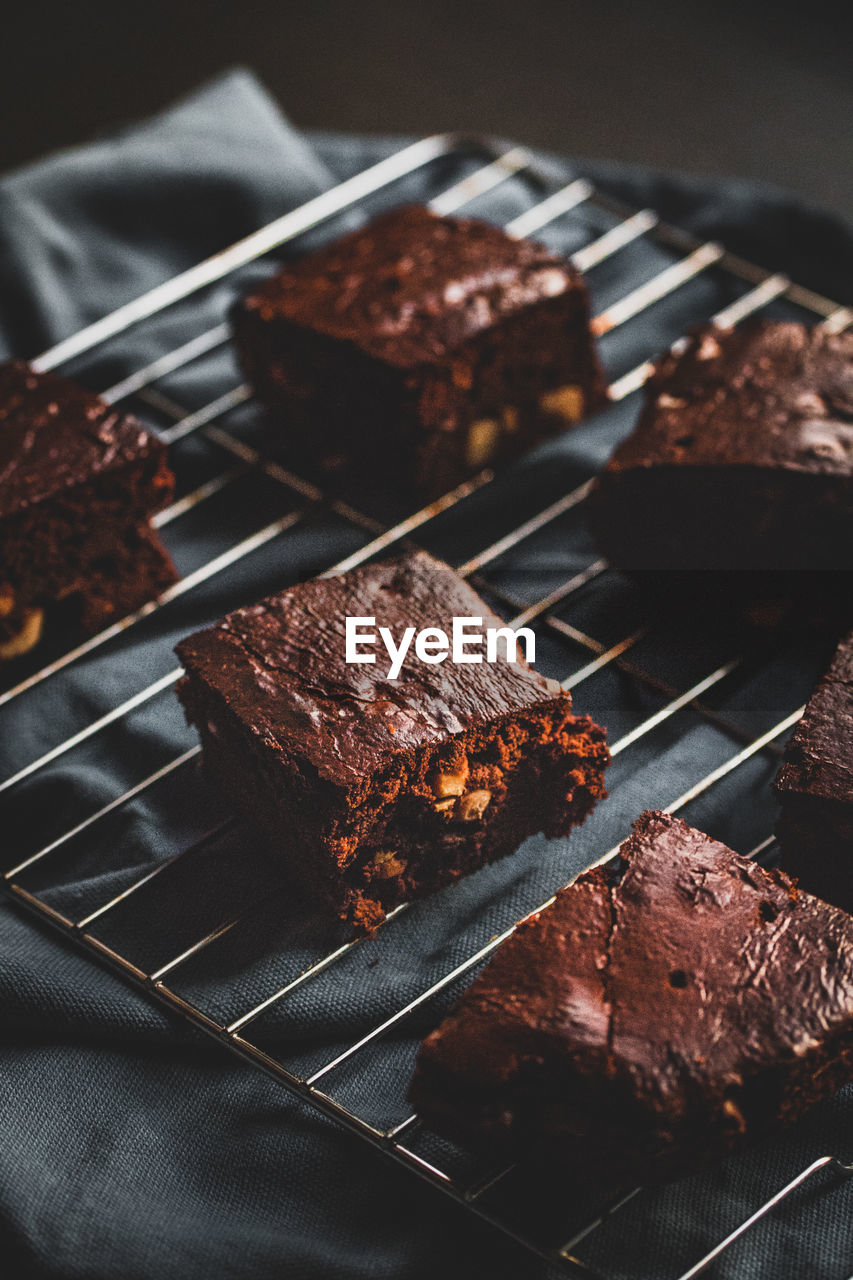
(132, 1146)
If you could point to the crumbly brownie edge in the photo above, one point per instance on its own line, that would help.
(88, 554)
(367, 854)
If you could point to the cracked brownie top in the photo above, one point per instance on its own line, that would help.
(280, 667)
(665, 1010)
(819, 757)
(412, 285)
(55, 435)
(766, 394)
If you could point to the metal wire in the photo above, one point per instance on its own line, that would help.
(694, 258)
(824, 1162)
(485, 179)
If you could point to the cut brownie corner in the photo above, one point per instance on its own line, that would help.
(663, 1012)
(474, 799)
(370, 791)
(80, 482)
(414, 352)
(740, 461)
(814, 787)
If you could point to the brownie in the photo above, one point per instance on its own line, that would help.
(742, 458)
(78, 483)
(374, 791)
(660, 1014)
(815, 788)
(417, 350)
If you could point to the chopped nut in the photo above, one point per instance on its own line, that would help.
(509, 417)
(462, 375)
(386, 864)
(451, 784)
(25, 639)
(734, 1113)
(566, 402)
(482, 439)
(551, 281)
(443, 805)
(474, 805)
(666, 401)
(708, 349)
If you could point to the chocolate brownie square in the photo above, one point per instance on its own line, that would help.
(418, 350)
(815, 787)
(79, 482)
(659, 1015)
(742, 458)
(374, 791)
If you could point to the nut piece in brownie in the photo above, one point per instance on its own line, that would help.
(418, 350)
(373, 792)
(657, 1016)
(815, 788)
(78, 483)
(742, 457)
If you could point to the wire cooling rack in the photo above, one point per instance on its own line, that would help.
(616, 648)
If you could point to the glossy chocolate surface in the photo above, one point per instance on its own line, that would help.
(280, 667)
(55, 435)
(412, 286)
(819, 757)
(657, 1017)
(762, 395)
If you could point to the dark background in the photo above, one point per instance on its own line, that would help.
(734, 86)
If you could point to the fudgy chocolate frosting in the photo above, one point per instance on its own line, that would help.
(765, 394)
(280, 668)
(412, 286)
(54, 435)
(819, 757)
(664, 1015)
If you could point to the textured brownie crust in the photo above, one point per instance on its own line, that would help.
(281, 666)
(742, 457)
(815, 787)
(419, 349)
(413, 286)
(55, 435)
(376, 791)
(651, 1020)
(78, 482)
